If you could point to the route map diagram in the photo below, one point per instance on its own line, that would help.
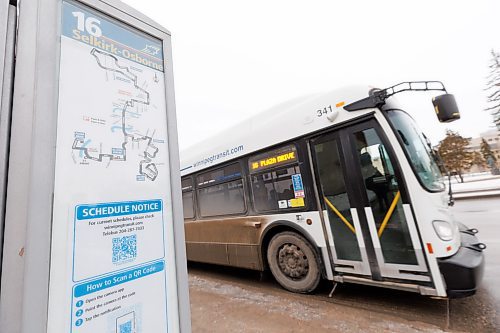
(123, 123)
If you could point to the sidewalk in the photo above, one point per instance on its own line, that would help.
(483, 186)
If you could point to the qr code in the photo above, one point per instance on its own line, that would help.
(124, 249)
(126, 328)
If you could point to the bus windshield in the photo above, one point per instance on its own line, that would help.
(419, 153)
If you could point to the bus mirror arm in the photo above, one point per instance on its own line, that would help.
(444, 105)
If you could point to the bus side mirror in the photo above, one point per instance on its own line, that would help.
(446, 108)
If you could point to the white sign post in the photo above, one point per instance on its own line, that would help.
(7, 43)
(116, 246)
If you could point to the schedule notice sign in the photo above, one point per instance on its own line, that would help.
(112, 177)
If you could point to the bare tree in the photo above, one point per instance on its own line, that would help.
(493, 88)
(486, 150)
(489, 156)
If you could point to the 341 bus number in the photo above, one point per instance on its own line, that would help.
(324, 111)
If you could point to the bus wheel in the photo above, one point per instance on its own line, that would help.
(293, 262)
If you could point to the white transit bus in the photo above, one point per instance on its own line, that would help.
(342, 186)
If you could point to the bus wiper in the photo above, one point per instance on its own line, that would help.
(451, 201)
(403, 137)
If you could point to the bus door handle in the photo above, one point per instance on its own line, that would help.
(254, 224)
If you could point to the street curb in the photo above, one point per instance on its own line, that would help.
(476, 194)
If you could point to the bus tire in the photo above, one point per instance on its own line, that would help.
(293, 262)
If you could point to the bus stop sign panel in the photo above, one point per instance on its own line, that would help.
(113, 211)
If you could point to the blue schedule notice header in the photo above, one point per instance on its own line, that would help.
(103, 210)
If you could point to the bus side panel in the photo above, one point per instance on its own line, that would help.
(225, 241)
(207, 253)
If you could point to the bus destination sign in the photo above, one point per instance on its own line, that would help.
(274, 158)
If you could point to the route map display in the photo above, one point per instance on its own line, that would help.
(112, 212)
(114, 122)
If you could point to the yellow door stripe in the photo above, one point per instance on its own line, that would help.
(349, 225)
(389, 214)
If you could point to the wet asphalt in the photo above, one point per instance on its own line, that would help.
(483, 213)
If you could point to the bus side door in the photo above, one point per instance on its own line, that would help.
(366, 207)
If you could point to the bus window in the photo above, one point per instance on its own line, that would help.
(384, 198)
(220, 192)
(336, 199)
(276, 180)
(187, 197)
(274, 190)
(226, 173)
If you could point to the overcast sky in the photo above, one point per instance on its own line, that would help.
(233, 59)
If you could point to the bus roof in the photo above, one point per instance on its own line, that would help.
(278, 124)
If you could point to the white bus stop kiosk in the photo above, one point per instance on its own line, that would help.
(90, 200)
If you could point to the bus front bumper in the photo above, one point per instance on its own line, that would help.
(464, 270)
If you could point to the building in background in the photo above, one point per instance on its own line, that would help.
(492, 137)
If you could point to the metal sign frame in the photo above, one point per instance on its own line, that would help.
(8, 18)
(29, 207)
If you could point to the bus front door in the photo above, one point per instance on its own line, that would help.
(368, 217)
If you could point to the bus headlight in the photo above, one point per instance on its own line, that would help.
(443, 229)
